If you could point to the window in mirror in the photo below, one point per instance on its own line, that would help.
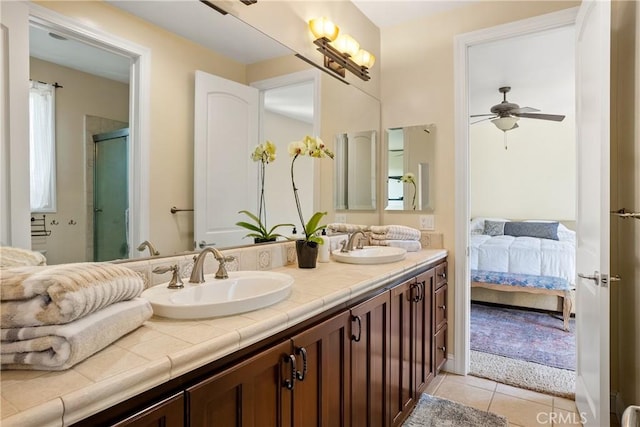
(410, 158)
(355, 171)
(42, 146)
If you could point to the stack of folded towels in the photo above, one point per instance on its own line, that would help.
(395, 235)
(53, 317)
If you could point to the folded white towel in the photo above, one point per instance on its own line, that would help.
(59, 347)
(394, 232)
(56, 294)
(346, 228)
(14, 257)
(408, 245)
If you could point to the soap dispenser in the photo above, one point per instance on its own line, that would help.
(324, 247)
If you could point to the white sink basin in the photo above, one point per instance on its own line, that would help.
(242, 291)
(370, 255)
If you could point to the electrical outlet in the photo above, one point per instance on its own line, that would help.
(427, 222)
(340, 218)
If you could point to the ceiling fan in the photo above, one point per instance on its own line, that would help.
(506, 114)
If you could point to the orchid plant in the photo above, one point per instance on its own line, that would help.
(312, 147)
(264, 153)
(411, 178)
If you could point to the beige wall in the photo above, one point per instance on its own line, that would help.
(625, 192)
(80, 95)
(533, 179)
(417, 87)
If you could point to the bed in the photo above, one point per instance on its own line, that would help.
(525, 256)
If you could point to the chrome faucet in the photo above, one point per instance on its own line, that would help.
(152, 249)
(197, 274)
(348, 245)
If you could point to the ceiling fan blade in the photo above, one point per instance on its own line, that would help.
(523, 110)
(553, 117)
(483, 115)
(484, 120)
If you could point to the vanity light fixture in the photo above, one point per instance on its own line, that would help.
(341, 52)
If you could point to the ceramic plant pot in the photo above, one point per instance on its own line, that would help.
(307, 253)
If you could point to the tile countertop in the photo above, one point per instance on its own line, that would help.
(163, 349)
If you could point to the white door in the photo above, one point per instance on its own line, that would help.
(225, 133)
(592, 246)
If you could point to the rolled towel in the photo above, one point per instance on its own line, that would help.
(58, 347)
(15, 257)
(408, 245)
(339, 227)
(57, 294)
(394, 232)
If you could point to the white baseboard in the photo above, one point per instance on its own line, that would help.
(450, 365)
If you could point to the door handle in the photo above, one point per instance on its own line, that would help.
(355, 337)
(595, 277)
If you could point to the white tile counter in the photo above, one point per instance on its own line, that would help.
(163, 349)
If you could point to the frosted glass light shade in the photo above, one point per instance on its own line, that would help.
(505, 123)
(323, 27)
(364, 58)
(346, 44)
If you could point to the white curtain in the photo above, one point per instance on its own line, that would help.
(42, 147)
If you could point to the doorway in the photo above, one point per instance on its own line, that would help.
(463, 43)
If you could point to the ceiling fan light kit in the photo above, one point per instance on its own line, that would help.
(505, 115)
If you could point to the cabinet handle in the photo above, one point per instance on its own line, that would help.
(443, 307)
(353, 336)
(423, 288)
(443, 275)
(289, 383)
(415, 298)
(301, 375)
(443, 348)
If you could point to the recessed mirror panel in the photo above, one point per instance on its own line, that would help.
(355, 170)
(410, 166)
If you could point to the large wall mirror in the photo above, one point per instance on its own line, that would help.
(170, 174)
(410, 168)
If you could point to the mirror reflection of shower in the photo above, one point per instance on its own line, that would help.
(410, 156)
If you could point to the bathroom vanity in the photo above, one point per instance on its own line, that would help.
(353, 345)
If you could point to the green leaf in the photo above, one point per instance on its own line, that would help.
(312, 225)
(250, 227)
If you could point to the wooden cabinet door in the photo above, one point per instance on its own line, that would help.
(253, 393)
(370, 362)
(401, 382)
(424, 330)
(168, 413)
(321, 394)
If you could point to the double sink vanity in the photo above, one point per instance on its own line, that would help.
(346, 344)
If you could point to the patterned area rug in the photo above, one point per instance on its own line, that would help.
(524, 335)
(434, 411)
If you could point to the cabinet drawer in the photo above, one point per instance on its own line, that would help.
(441, 348)
(440, 307)
(441, 274)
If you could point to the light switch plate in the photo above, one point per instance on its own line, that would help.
(427, 222)
(340, 218)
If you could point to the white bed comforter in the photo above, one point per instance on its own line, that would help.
(524, 255)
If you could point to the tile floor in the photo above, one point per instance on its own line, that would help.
(522, 408)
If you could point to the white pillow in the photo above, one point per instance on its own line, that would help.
(477, 224)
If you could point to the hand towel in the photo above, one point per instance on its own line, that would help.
(58, 347)
(394, 232)
(15, 257)
(407, 245)
(56, 294)
(346, 228)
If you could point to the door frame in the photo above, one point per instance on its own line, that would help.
(459, 364)
(139, 105)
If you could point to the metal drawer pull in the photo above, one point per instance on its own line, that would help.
(289, 383)
(443, 275)
(443, 307)
(301, 375)
(353, 336)
(422, 285)
(443, 348)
